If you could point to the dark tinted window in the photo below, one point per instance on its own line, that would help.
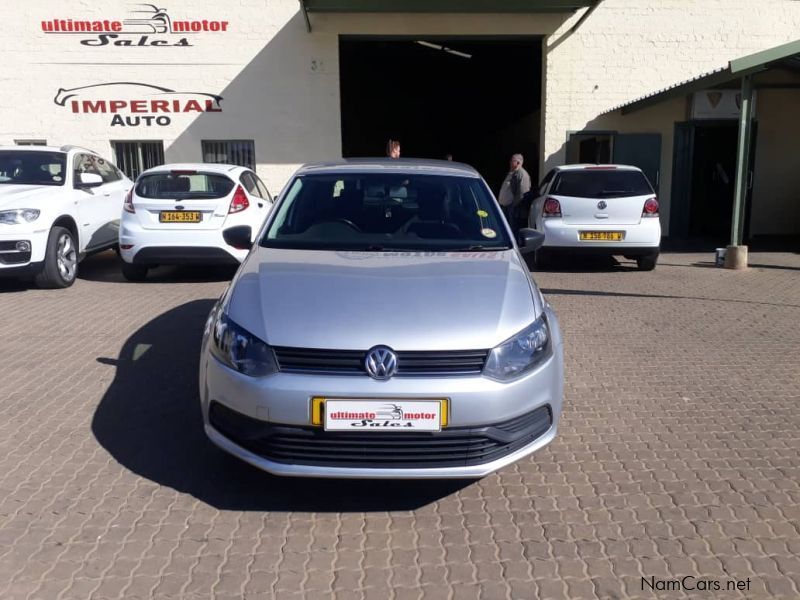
(602, 183)
(387, 211)
(32, 168)
(545, 181)
(183, 186)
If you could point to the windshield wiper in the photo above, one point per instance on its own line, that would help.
(476, 247)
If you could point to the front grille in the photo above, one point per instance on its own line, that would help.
(351, 362)
(451, 447)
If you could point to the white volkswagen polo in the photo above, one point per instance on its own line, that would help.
(57, 204)
(597, 209)
(179, 214)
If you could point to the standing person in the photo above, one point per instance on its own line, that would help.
(393, 149)
(516, 184)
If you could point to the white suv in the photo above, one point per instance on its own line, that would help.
(182, 213)
(56, 205)
(597, 209)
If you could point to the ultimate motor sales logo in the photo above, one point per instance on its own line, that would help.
(147, 25)
(135, 104)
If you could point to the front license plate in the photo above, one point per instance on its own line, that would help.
(383, 415)
(602, 236)
(179, 216)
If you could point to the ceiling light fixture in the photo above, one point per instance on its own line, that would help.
(443, 49)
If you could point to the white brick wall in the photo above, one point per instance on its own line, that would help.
(629, 48)
(281, 85)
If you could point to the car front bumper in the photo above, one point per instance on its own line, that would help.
(282, 402)
(14, 263)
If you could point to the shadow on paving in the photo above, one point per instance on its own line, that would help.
(149, 420)
(566, 292)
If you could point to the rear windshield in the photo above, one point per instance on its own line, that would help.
(183, 186)
(32, 168)
(387, 211)
(601, 184)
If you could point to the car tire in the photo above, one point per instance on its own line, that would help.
(542, 259)
(133, 272)
(60, 267)
(647, 262)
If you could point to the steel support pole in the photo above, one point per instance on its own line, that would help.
(742, 161)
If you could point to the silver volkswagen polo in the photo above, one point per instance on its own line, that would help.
(384, 324)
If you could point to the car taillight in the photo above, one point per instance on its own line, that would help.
(650, 208)
(552, 208)
(239, 202)
(128, 205)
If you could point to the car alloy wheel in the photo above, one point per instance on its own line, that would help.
(66, 257)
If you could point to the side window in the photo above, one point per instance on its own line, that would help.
(249, 183)
(84, 163)
(547, 179)
(262, 189)
(106, 170)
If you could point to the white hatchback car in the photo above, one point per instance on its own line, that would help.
(57, 204)
(178, 214)
(597, 209)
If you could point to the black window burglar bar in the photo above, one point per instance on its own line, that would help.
(232, 152)
(134, 157)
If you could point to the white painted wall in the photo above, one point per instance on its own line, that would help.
(629, 48)
(280, 84)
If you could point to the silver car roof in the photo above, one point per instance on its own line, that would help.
(390, 165)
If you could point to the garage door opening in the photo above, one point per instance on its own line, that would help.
(477, 99)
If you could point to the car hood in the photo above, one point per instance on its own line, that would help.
(408, 301)
(14, 196)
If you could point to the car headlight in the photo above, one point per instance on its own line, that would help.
(523, 352)
(239, 349)
(20, 215)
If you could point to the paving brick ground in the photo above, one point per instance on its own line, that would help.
(677, 456)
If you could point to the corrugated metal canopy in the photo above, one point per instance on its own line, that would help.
(443, 6)
(784, 56)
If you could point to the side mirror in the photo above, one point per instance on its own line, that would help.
(89, 180)
(530, 240)
(239, 237)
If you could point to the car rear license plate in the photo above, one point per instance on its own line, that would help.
(179, 216)
(602, 236)
(352, 414)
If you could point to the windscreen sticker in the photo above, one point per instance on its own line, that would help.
(56, 177)
(483, 213)
(488, 233)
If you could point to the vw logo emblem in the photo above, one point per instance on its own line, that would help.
(381, 362)
(602, 204)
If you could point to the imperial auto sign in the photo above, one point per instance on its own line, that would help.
(133, 104)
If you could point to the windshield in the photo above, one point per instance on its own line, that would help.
(32, 167)
(183, 185)
(601, 184)
(387, 211)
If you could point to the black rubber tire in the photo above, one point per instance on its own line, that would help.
(133, 272)
(55, 275)
(647, 262)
